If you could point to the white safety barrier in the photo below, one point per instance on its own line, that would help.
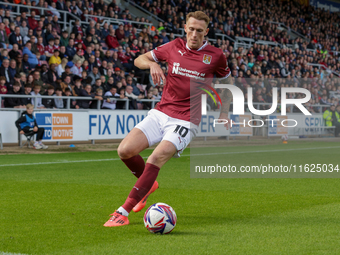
(78, 125)
(304, 125)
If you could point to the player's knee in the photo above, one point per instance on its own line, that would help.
(125, 152)
(154, 159)
(159, 159)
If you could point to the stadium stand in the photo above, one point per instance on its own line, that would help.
(95, 41)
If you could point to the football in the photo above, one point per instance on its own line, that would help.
(160, 218)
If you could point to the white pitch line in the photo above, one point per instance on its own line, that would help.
(61, 162)
(244, 152)
(184, 155)
(10, 253)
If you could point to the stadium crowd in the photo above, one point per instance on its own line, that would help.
(96, 60)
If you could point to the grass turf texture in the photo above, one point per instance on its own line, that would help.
(60, 208)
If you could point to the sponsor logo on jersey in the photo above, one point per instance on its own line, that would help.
(207, 59)
(176, 69)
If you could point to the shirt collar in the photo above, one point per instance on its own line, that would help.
(205, 43)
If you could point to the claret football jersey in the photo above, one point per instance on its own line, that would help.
(188, 70)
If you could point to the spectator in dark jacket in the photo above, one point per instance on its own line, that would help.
(85, 104)
(16, 38)
(25, 64)
(14, 52)
(28, 90)
(49, 102)
(70, 49)
(11, 102)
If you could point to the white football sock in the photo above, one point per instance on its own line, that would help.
(123, 211)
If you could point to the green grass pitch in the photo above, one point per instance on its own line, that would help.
(57, 204)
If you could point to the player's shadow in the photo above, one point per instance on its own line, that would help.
(190, 233)
(202, 220)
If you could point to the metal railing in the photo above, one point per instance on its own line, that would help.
(243, 42)
(99, 102)
(72, 98)
(289, 30)
(274, 44)
(68, 100)
(335, 94)
(110, 20)
(248, 42)
(64, 15)
(151, 15)
(319, 66)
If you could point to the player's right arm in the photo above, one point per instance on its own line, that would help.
(146, 61)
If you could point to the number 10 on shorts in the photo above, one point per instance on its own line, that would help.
(182, 131)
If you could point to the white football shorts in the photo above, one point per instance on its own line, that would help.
(158, 126)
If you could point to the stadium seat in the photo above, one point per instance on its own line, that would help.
(30, 138)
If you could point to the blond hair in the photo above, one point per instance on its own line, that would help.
(29, 106)
(63, 63)
(199, 15)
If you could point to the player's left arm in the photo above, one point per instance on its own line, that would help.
(147, 61)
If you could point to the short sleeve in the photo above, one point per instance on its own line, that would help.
(161, 53)
(222, 69)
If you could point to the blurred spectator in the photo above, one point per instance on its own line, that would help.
(86, 92)
(5, 72)
(3, 87)
(94, 75)
(58, 102)
(23, 29)
(32, 22)
(66, 83)
(70, 49)
(79, 57)
(111, 40)
(77, 87)
(37, 100)
(109, 102)
(28, 90)
(11, 102)
(15, 37)
(61, 67)
(97, 85)
(49, 102)
(55, 59)
(132, 98)
(32, 58)
(3, 37)
(331, 118)
(99, 95)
